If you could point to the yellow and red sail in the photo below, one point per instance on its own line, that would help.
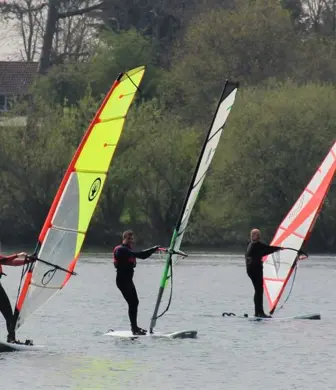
(65, 227)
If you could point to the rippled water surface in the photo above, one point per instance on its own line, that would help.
(228, 353)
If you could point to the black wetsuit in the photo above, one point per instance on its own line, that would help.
(6, 310)
(123, 256)
(255, 251)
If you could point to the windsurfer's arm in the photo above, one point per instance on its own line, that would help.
(15, 260)
(145, 253)
(268, 249)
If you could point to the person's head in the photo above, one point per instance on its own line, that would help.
(128, 238)
(255, 235)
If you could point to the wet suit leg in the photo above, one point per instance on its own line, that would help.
(6, 310)
(129, 292)
(256, 276)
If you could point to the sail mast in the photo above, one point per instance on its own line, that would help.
(210, 144)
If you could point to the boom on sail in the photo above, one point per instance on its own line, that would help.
(65, 227)
(208, 150)
(295, 230)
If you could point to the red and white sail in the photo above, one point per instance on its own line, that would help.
(295, 230)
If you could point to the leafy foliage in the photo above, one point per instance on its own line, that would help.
(281, 126)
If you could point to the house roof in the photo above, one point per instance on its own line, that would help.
(16, 77)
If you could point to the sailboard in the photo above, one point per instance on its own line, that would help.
(64, 230)
(208, 150)
(315, 316)
(127, 334)
(295, 231)
(9, 347)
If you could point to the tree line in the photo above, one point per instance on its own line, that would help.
(281, 126)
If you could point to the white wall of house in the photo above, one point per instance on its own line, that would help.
(16, 121)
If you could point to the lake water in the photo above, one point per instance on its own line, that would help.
(228, 354)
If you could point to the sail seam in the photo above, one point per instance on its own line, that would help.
(201, 178)
(49, 288)
(217, 131)
(310, 192)
(68, 229)
(299, 235)
(110, 119)
(90, 171)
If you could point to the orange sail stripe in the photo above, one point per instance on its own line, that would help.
(24, 290)
(70, 269)
(275, 279)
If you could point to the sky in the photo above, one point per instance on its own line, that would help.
(10, 43)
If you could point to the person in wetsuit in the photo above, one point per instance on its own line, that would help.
(5, 306)
(255, 251)
(125, 262)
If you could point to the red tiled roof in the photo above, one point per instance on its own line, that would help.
(16, 77)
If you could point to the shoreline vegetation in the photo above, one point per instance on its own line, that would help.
(281, 127)
(192, 250)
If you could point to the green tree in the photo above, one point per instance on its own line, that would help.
(117, 53)
(63, 85)
(158, 162)
(295, 7)
(317, 60)
(32, 167)
(251, 43)
(161, 20)
(275, 140)
(114, 53)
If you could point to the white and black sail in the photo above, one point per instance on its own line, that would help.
(208, 150)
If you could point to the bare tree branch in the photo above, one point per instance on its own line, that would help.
(81, 11)
(56, 32)
(17, 8)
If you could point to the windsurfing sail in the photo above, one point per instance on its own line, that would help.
(65, 227)
(208, 150)
(295, 230)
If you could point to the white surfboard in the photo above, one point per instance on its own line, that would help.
(314, 316)
(7, 347)
(183, 334)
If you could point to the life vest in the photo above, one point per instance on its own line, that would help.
(131, 260)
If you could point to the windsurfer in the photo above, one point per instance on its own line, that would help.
(5, 306)
(255, 251)
(125, 262)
